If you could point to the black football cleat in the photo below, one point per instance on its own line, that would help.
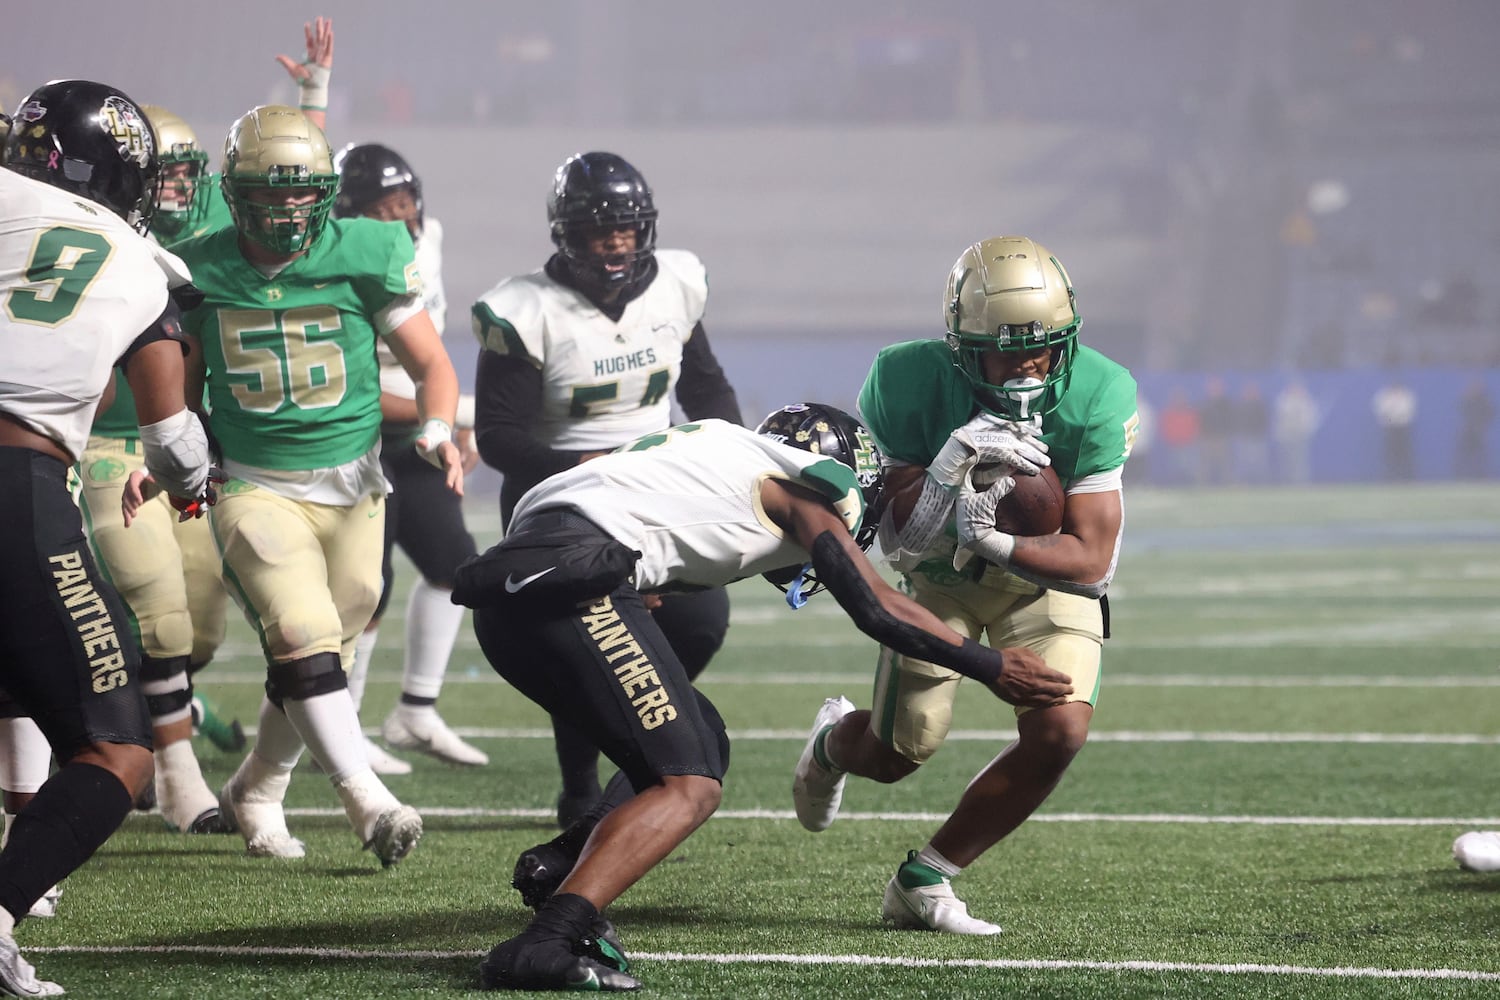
(526, 963)
(603, 945)
(539, 871)
(210, 821)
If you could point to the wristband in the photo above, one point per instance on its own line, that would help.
(435, 432)
(977, 661)
(996, 547)
(313, 88)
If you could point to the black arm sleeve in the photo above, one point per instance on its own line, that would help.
(507, 399)
(167, 326)
(703, 391)
(837, 572)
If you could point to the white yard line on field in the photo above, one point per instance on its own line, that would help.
(772, 958)
(1095, 736)
(1191, 819)
(783, 679)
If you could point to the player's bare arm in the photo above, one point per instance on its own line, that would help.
(157, 377)
(1083, 550)
(418, 347)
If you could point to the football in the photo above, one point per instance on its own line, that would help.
(1034, 507)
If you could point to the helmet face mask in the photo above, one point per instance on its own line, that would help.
(372, 180)
(1012, 296)
(593, 195)
(278, 179)
(92, 140)
(182, 205)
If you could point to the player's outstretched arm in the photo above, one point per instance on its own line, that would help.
(1015, 675)
(312, 73)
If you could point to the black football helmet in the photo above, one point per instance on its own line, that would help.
(828, 430)
(369, 171)
(593, 191)
(92, 140)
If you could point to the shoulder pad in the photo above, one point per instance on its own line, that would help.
(685, 269)
(511, 317)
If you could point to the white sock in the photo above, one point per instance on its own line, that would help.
(937, 862)
(181, 793)
(277, 741)
(432, 624)
(25, 755)
(330, 726)
(364, 651)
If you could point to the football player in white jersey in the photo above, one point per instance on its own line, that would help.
(560, 613)
(82, 291)
(422, 515)
(586, 354)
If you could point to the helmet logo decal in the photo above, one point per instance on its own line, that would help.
(125, 124)
(32, 111)
(1012, 334)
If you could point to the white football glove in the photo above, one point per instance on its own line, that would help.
(987, 440)
(974, 517)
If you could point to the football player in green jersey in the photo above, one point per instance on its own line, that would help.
(1007, 391)
(167, 571)
(294, 302)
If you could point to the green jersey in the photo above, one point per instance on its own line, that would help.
(914, 398)
(293, 379)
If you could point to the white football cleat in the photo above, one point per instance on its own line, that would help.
(47, 905)
(817, 791)
(18, 978)
(396, 833)
(1478, 851)
(258, 815)
(427, 733)
(382, 762)
(920, 898)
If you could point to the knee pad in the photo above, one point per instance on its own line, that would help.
(166, 635)
(305, 677)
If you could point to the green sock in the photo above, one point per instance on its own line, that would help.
(915, 872)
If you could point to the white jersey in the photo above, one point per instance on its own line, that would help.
(393, 378)
(603, 382)
(78, 287)
(688, 499)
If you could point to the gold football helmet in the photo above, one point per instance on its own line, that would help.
(182, 204)
(1010, 293)
(273, 155)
